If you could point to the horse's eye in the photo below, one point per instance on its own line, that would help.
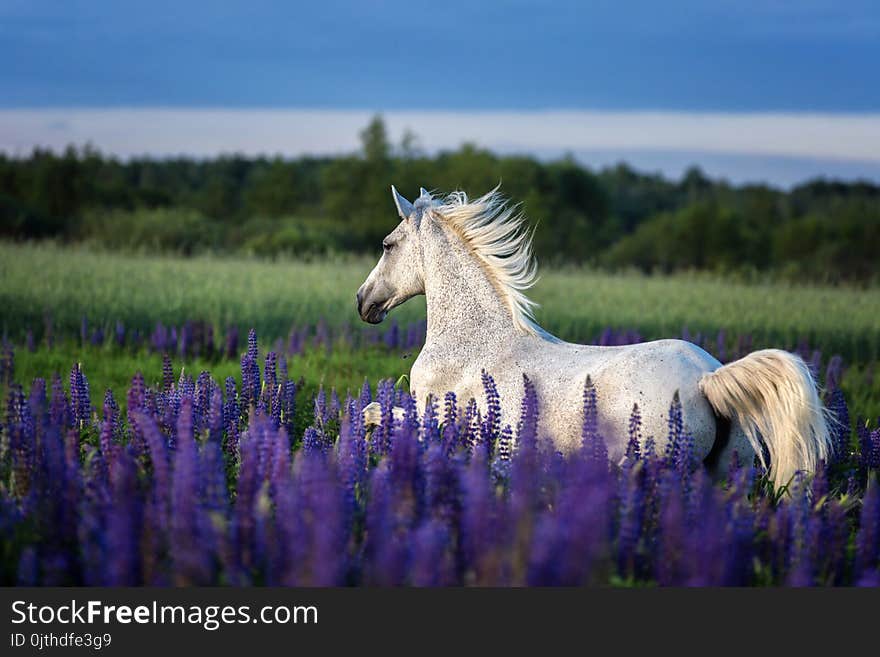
(387, 246)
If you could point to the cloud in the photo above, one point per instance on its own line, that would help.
(821, 143)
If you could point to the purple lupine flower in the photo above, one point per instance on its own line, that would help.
(385, 550)
(410, 421)
(191, 562)
(803, 542)
(123, 529)
(633, 444)
(215, 416)
(432, 560)
(480, 531)
(440, 477)
(313, 440)
(503, 454)
(527, 428)
(406, 476)
(21, 441)
(591, 440)
(110, 429)
(868, 537)
(833, 374)
(630, 518)
(282, 368)
(247, 382)
(77, 394)
(815, 363)
(491, 426)
(119, 334)
(381, 438)
(38, 402)
(252, 349)
(317, 481)
(335, 406)
(185, 423)
(275, 409)
(202, 400)
(840, 424)
(288, 407)
(352, 459)
(572, 537)
(430, 425)
(186, 346)
(294, 345)
(671, 556)
(213, 491)
(231, 412)
(320, 407)
(232, 445)
(247, 547)
(250, 373)
(833, 541)
(869, 445)
(270, 376)
(29, 343)
(159, 338)
(414, 336)
(322, 334)
(470, 425)
(278, 469)
(97, 338)
(59, 410)
(319, 491)
(450, 422)
(167, 373)
(675, 424)
(366, 395)
(392, 335)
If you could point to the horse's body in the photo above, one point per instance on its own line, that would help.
(472, 261)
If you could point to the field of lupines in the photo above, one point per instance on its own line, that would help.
(255, 480)
(147, 440)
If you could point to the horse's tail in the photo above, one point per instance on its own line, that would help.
(773, 396)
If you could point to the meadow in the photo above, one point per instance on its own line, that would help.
(149, 438)
(61, 286)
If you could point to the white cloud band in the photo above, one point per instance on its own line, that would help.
(845, 138)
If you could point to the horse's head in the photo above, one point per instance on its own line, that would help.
(398, 275)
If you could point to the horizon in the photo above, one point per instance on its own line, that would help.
(752, 148)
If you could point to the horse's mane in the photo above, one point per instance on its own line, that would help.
(498, 235)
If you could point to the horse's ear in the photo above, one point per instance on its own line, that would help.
(404, 207)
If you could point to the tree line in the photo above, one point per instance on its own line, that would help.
(614, 217)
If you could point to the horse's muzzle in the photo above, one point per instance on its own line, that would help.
(369, 311)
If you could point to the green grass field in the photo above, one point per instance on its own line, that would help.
(576, 304)
(69, 284)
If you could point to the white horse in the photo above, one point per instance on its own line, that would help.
(472, 261)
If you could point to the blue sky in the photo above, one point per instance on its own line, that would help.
(748, 57)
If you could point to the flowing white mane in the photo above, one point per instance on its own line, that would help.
(498, 236)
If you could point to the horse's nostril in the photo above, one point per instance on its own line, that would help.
(359, 300)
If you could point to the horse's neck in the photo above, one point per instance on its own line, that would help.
(465, 310)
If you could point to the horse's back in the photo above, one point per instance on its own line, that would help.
(645, 374)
